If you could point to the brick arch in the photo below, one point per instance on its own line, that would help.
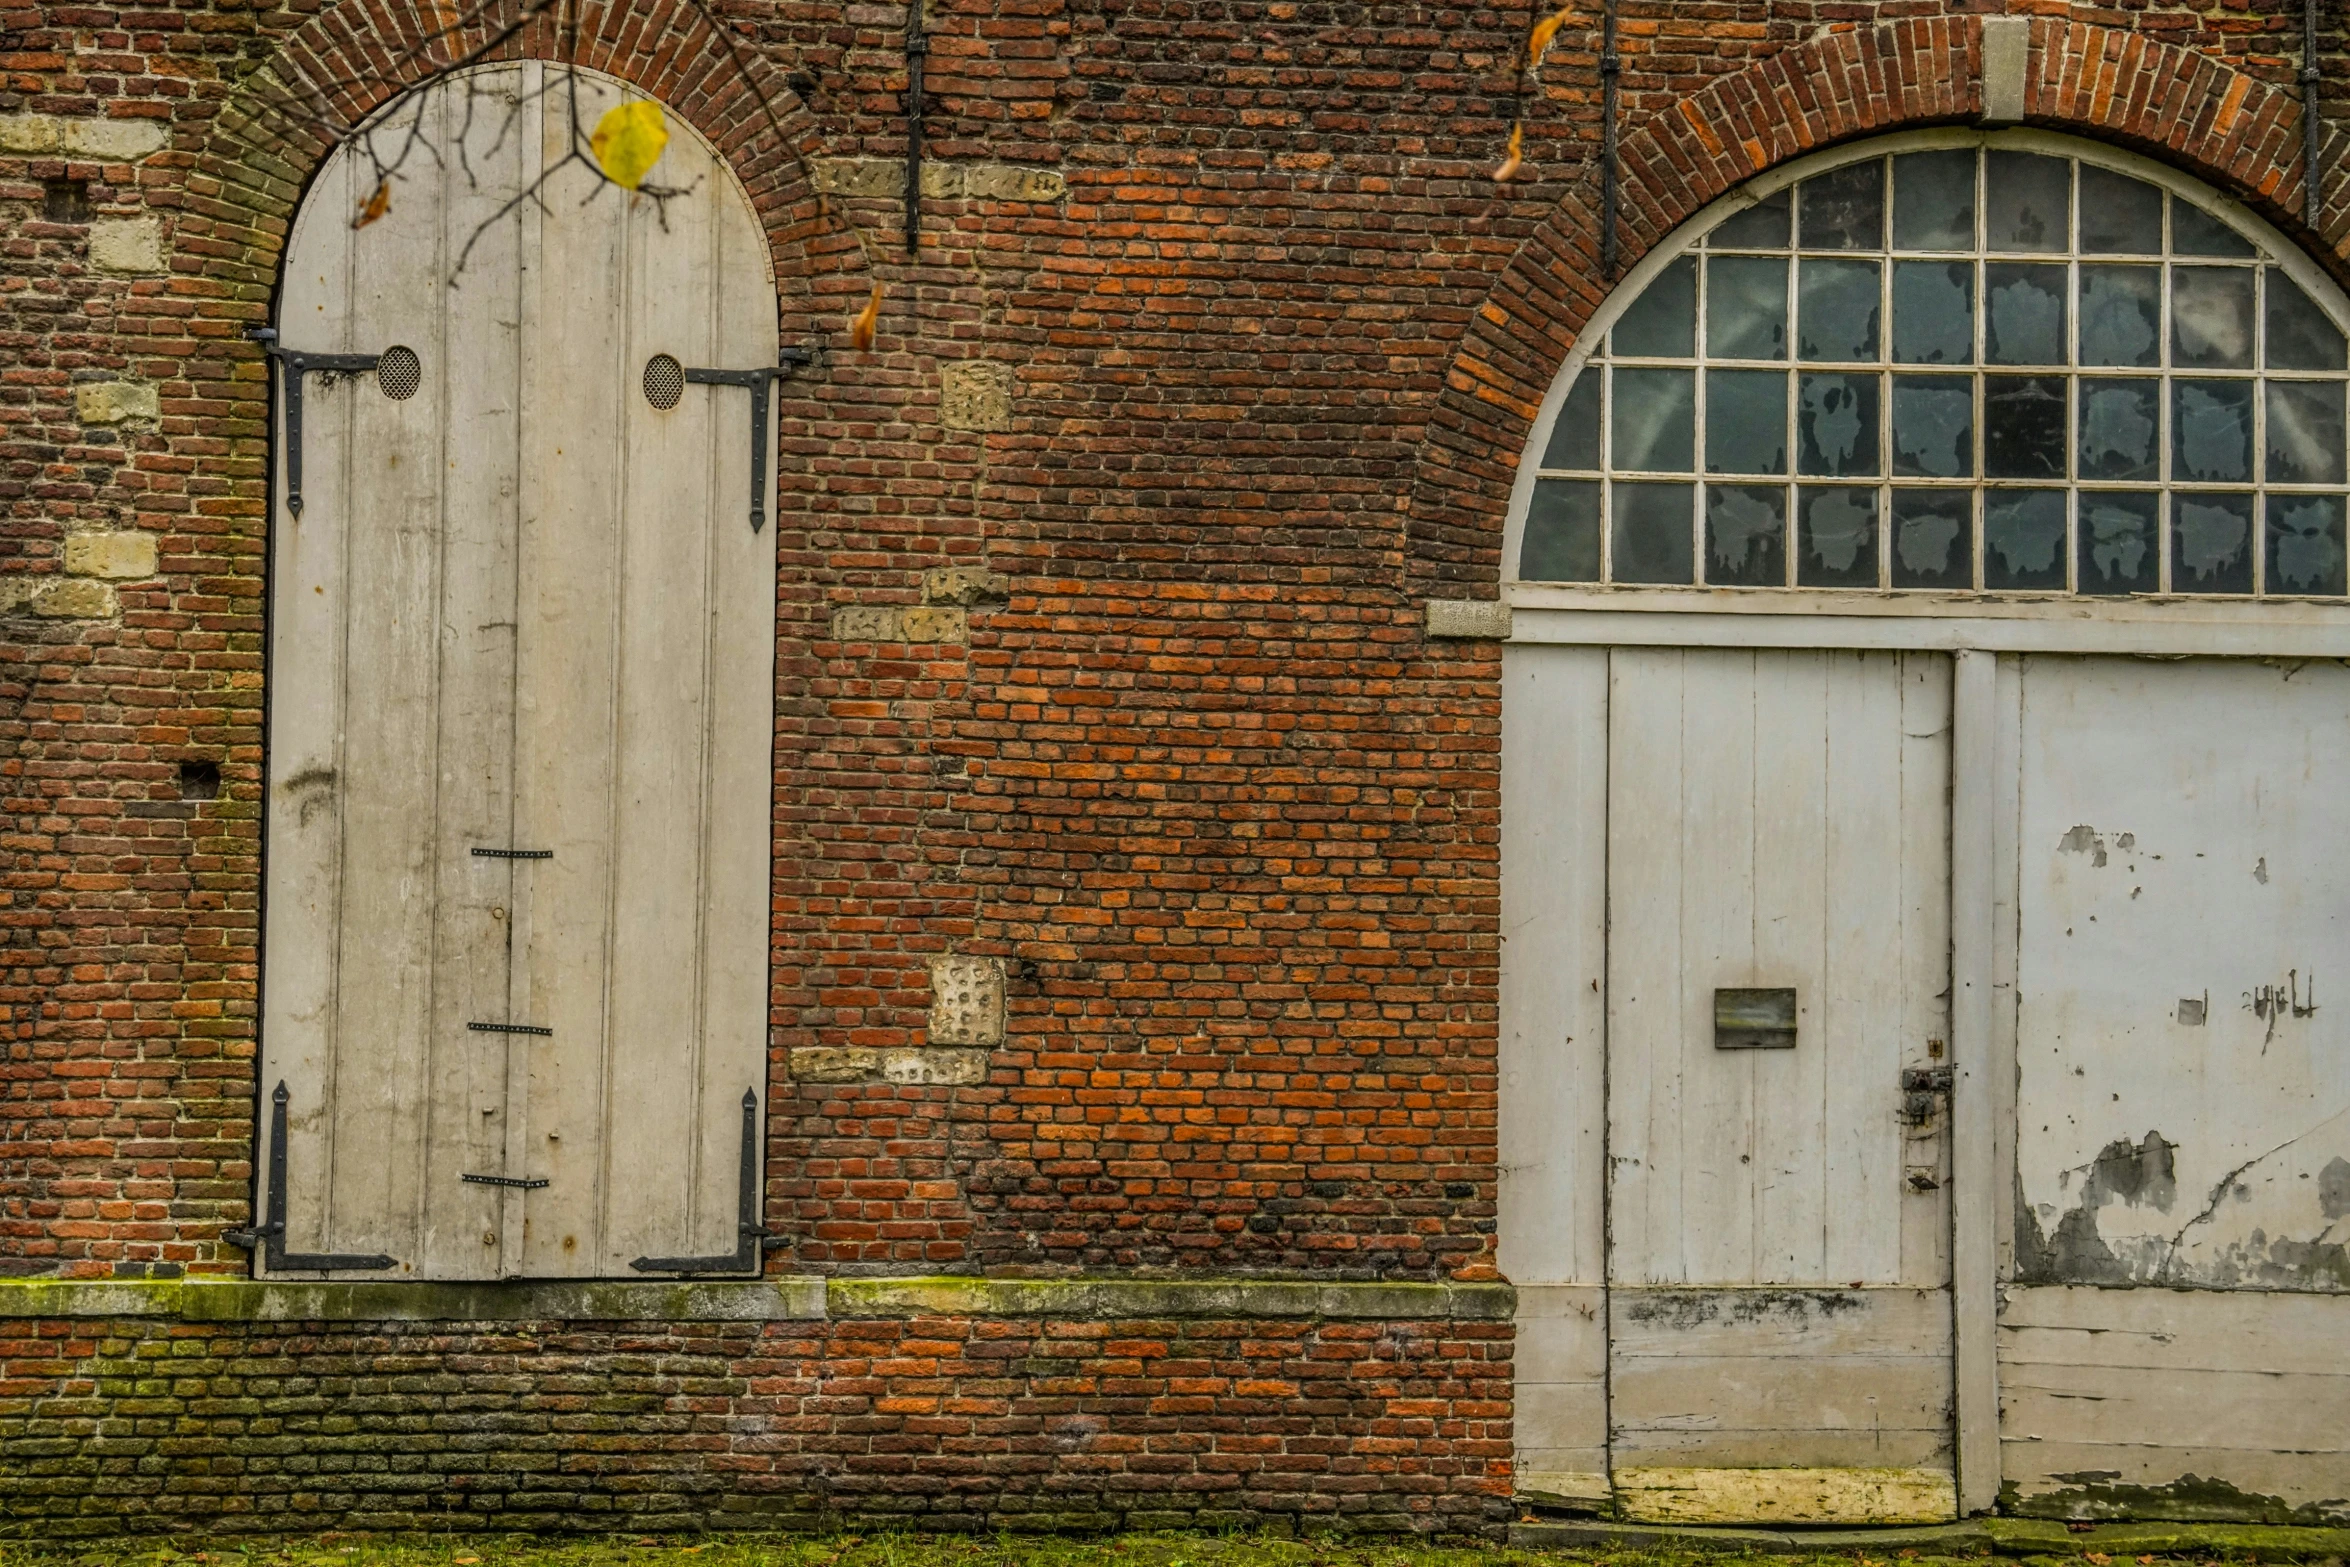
(260, 155)
(2237, 133)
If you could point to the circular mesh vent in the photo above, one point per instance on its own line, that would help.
(664, 381)
(399, 373)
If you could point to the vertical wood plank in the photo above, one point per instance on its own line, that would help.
(1551, 1150)
(1643, 990)
(1802, 910)
(1974, 800)
(1924, 857)
(2007, 858)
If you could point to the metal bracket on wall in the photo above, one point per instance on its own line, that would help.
(750, 1239)
(758, 382)
(296, 366)
(269, 1236)
(514, 1181)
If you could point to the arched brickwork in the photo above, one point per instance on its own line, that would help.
(2240, 134)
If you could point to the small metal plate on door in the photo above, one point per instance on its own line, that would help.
(1754, 1020)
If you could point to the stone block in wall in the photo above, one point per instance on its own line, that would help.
(120, 555)
(910, 1065)
(975, 394)
(73, 598)
(115, 402)
(932, 623)
(860, 176)
(895, 623)
(104, 140)
(127, 245)
(1013, 182)
(865, 623)
(942, 180)
(966, 1001)
(1469, 619)
(965, 585)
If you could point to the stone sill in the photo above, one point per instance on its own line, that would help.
(784, 1298)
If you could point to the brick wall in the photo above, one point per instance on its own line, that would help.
(951, 1422)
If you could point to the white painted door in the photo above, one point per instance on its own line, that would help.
(1778, 1273)
(521, 706)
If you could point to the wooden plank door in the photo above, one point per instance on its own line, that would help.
(1779, 1329)
(521, 611)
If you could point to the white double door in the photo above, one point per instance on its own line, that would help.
(521, 698)
(1726, 1012)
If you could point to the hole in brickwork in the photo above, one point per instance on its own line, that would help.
(199, 780)
(664, 381)
(66, 201)
(399, 372)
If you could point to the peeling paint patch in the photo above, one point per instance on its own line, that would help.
(1686, 1309)
(2143, 1174)
(2097, 1494)
(2083, 839)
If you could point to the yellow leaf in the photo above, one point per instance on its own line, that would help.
(1517, 158)
(861, 335)
(1538, 44)
(377, 205)
(628, 142)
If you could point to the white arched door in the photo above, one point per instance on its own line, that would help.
(521, 692)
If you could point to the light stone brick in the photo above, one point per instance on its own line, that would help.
(113, 141)
(127, 245)
(116, 402)
(74, 598)
(932, 623)
(900, 1064)
(965, 585)
(865, 623)
(30, 133)
(120, 555)
(975, 394)
(1469, 619)
(1012, 182)
(860, 176)
(966, 1001)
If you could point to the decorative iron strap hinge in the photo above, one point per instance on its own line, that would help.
(750, 1239)
(396, 371)
(758, 381)
(269, 1236)
(515, 1181)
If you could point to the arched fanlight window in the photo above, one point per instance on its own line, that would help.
(1957, 363)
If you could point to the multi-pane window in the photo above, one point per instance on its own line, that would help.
(1959, 369)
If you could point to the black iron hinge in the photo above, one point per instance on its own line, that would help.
(750, 1239)
(269, 1236)
(758, 381)
(297, 366)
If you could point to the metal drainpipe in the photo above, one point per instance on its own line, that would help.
(917, 45)
(1608, 67)
(2309, 120)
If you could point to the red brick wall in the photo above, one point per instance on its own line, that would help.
(121, 1426)
(1202, 782)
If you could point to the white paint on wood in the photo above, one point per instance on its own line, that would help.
(1835, 1495)
(1973, 974)
(523, 609)
(2189, 1395)
(1559, 1410)
(1778, 618)
(2185, 1069)
(1554, 935)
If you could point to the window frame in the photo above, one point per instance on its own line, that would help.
(2167, 624)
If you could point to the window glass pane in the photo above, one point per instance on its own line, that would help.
(1932, 538)
(1934, 426)
(2121, 315)
(2211, 543)
(2119, 215)
(1934, 201)
(1651, 533)
(2304, 432)
(1836, 425)
(2023, 540)
(2194, 232)
(2300, 336)
(2211, 318)
(1662, 322)
(1746, 307)
(1762, 226)
(2121, 428)
(1746, 535)
(1745, 421)
(2211, 431)
(1934, 312)
(2120, 552)
(2025, 311)
(1562, 532)
(1574, 436)
(1837, 539)
(1836, 318)
(1844, 209)
(2023, 426)
(2305, 544)
(2028, 201)
(1655, 427)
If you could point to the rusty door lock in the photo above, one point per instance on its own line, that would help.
(1922, 1089)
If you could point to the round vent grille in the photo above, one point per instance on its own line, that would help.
(399, 373)
(664, 381)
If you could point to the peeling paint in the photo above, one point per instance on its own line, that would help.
(2140, 1174)
(2097, 1493)
(2083, 839)
(1687, 1309)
